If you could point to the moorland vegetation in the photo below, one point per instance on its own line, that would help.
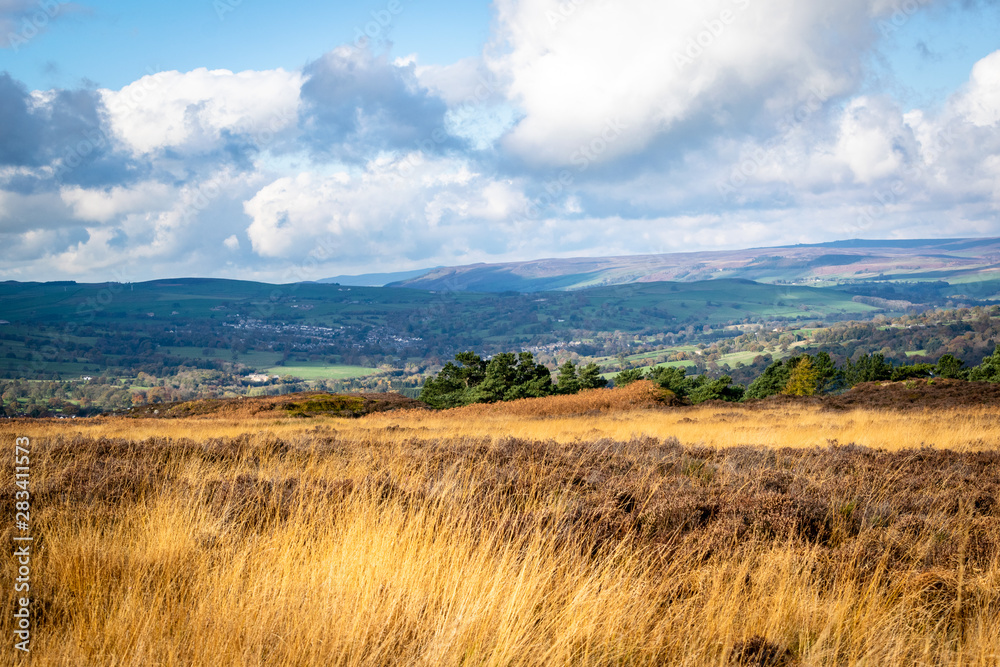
(594, 528)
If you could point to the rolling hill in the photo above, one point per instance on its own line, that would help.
(971, 264)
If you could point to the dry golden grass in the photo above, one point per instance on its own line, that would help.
(488, 537)
(634, 411)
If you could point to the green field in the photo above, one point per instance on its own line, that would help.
(321, 371)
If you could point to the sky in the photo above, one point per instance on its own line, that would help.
(264, 141)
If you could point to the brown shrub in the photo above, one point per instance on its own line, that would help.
(635, 396)
(308, 403)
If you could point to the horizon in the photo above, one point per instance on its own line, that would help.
(274, 141)
(427, 270)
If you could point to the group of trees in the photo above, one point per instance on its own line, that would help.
(25, 398)
(504, 377)
(509, 376)
(807, 375)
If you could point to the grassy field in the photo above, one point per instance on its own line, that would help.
(594, 529)
(308, 371)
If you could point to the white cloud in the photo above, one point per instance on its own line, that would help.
(468, 82)
(377, 210)
(657, 65)
(872, 139)
(376, 173)
(21, 212)
(981, 101)
(97, 205)
(189, 111)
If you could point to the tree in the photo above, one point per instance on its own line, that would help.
(872, 368)
(499, 378)
(530, 379)
(568, 382)
(628, 376)
(802, 380)
(717, 390)
(770, 382)
(828, 378)
(453, 385)
(590, 377)
(504, 377)
(989, 370)
(949, 366)
(672, 378)
(915, 371)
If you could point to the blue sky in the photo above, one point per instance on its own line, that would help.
(249, 139)
(931, 54)
(113, 43)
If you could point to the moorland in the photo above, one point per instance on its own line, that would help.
(604, 527)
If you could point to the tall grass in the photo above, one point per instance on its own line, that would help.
(440, 540)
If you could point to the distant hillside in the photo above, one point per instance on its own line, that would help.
(375, 279)
(956, 261)
(312, 331)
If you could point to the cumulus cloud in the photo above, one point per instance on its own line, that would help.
(414, 205)
(980, 102)
(872, 169)
(357, 103)
(573, 66)
(57, 136)
(106, 205)
(586, 128)
(194, 112)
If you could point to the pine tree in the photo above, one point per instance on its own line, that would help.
(567, 383)
(590, 377)
(628, 376)
(949, 366)
(802, 381)
(772, 381)
(989, 370)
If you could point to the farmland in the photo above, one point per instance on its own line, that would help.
(208, 336)
(604, 527)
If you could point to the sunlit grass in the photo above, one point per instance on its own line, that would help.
(431, 538)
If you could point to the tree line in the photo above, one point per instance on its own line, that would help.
(504, 377)
(809, 375)
(510, 376)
